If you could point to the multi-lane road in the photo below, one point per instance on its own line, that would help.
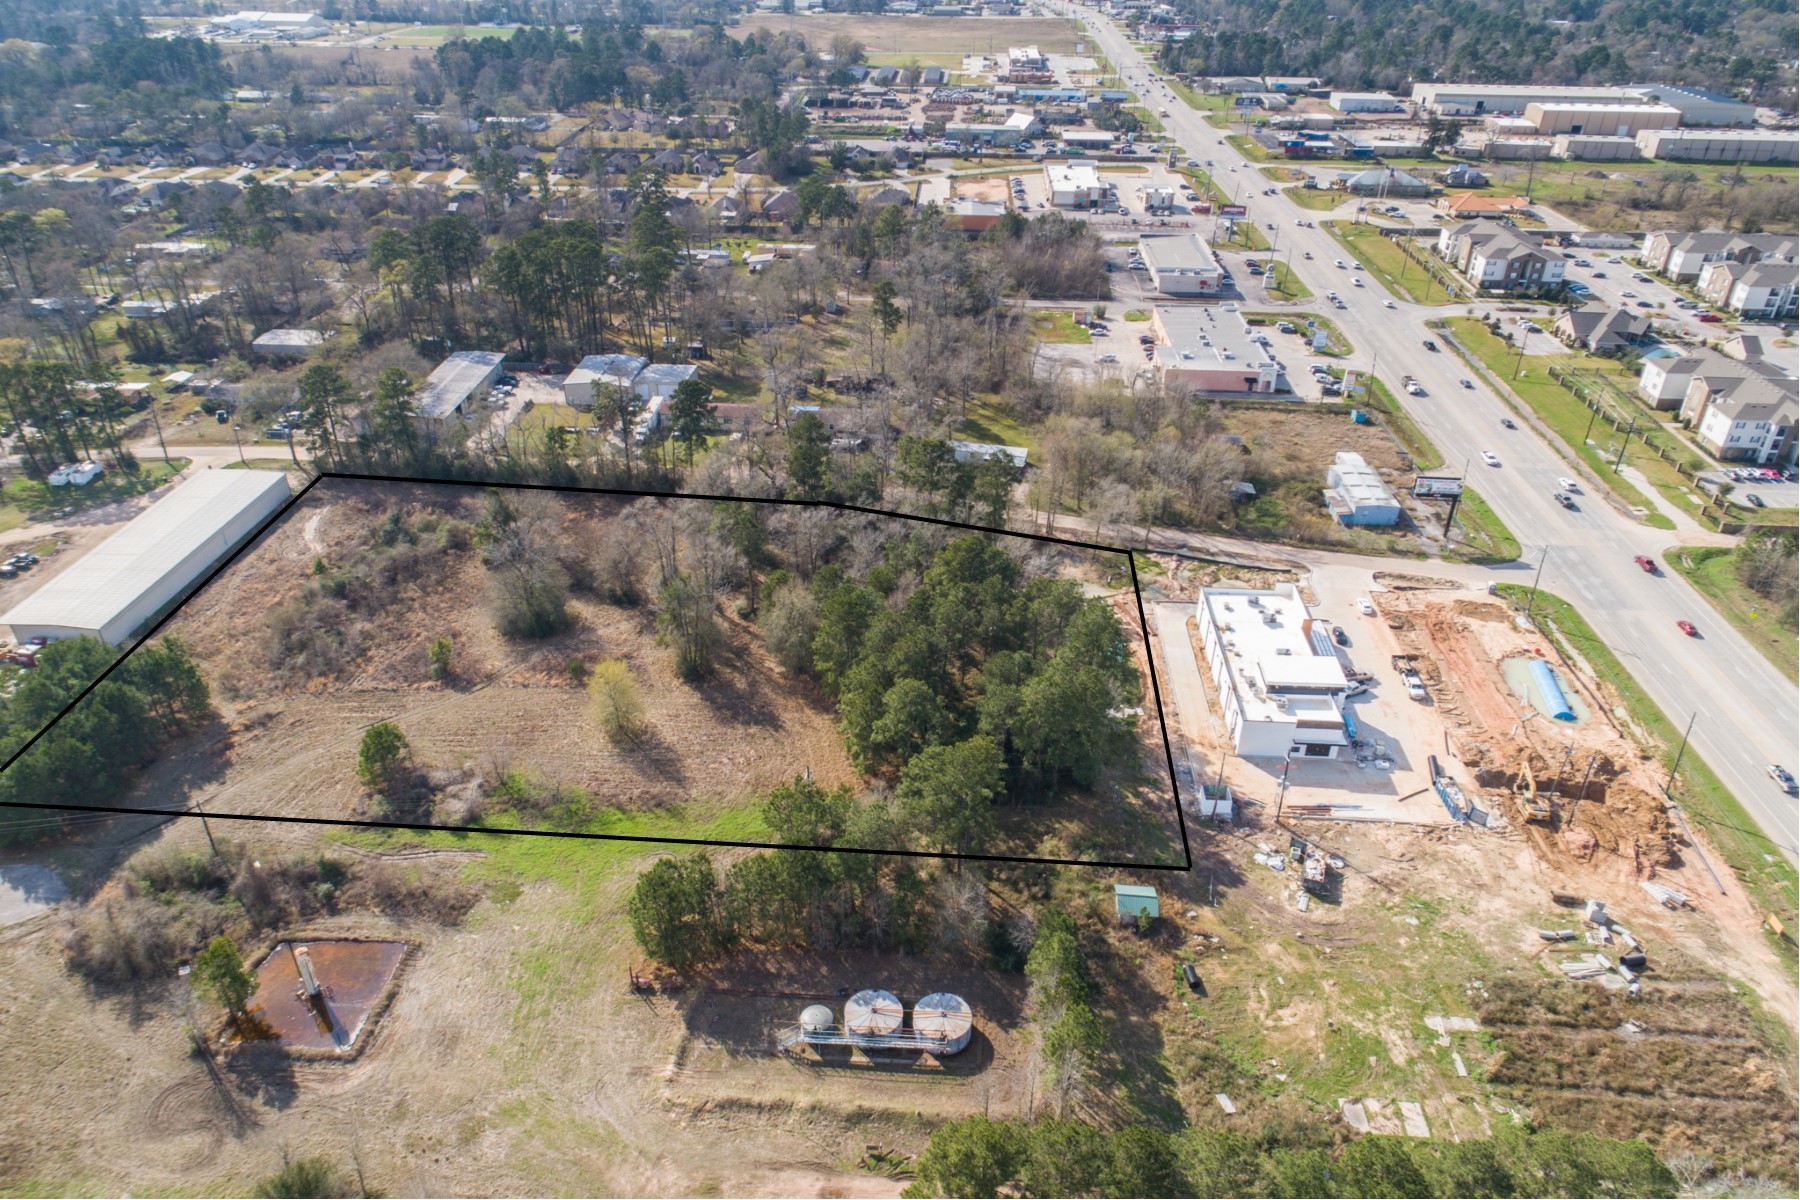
(1748, 716)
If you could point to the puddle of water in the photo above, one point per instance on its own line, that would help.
(352, 976)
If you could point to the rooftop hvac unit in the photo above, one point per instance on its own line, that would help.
(1255, 602)
(1283, 651)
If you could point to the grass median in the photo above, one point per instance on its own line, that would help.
(1704, 798)
(1421, 283)
(1566, 416)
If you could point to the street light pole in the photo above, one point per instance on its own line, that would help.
(236, 429)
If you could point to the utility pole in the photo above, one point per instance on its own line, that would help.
(236, 429)
(1619, 463)
(1676, 765)
(1534, 582)
(1519, 364)
(1582, 794)
(157, 421)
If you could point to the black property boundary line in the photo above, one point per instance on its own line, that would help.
(293, 501)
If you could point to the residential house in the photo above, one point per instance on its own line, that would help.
(536, 124)
(1464, 176)
(781, 206)
(1763, 290)
(1601, 329)
(1681, 256)
(569, 160)
(525, 156)
(888, 196)
(620, 162)
(1497, 259)
(1743, 418)
(705, 166)
(434, 159)
(671, 160)
(164, 191)
(729, 208)
(752, 164)
(210, 154)
(257, 154)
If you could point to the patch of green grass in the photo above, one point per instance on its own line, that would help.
(1412, 439)
(262, 464)
(35, 500)
(1137, 314)
(995, 422)
(1281, 281)
(1249, 147)
(1060, 327)
(1759, 862)
(1404, 277)
(1713, 571)
(1149, 119)
(1316, 199)
(1200, 101)
(1566, 416)
(1486, 539)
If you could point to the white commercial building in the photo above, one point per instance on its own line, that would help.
(289, 24)
(1721, 145)
(464, 376)
(1181, 266)
(1610, 120)
(1278, 678)
(1076, 184)
(1473, 100)
(1365, 102)
(140, 570)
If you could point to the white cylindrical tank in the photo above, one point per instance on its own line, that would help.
(873, 1012)
(945, 1019)
(816, 1019)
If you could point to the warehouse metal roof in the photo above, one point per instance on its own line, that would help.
(455, 380)
(110, 578)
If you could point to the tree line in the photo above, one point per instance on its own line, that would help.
(684, 913)
(1390, 43)
(93, 752)
(977, 1156)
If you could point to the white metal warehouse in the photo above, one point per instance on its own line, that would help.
(138, 571)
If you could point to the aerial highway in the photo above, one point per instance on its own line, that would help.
(1746, 715)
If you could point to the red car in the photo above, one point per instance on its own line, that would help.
(1687, 627)
(1649, 564)
(1708, 318)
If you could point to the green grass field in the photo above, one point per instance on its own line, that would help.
(1712, 570)
(1706, 801)
(28, 500)
(1318, 199)
(1401, 275)
(991, 420)
(1060, 327)
(1281, 281)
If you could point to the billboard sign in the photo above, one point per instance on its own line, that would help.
(1233, 210)
(1437, 485)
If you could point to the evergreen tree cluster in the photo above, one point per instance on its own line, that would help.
(91, 754)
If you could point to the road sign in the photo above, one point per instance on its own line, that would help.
(1233, 210)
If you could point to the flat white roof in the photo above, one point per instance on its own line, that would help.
(1205, 337)
(1281, 666)
(455, 380)
(1189, 254)
(110, 578)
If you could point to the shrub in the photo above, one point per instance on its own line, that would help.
(614, 702)
(440, 652)
(302, 1177)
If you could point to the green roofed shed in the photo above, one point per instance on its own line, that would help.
(1130, 899)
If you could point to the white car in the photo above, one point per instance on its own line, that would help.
(1387, 304)
(1338, 262)
(1364, 606)
(1568, 485)
(1490, 458)
(1108, 358)
(1358, 282)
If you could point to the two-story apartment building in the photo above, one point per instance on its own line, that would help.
(1764, 291)
(1743, 418)
(1682, 256)
(1498, 259)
